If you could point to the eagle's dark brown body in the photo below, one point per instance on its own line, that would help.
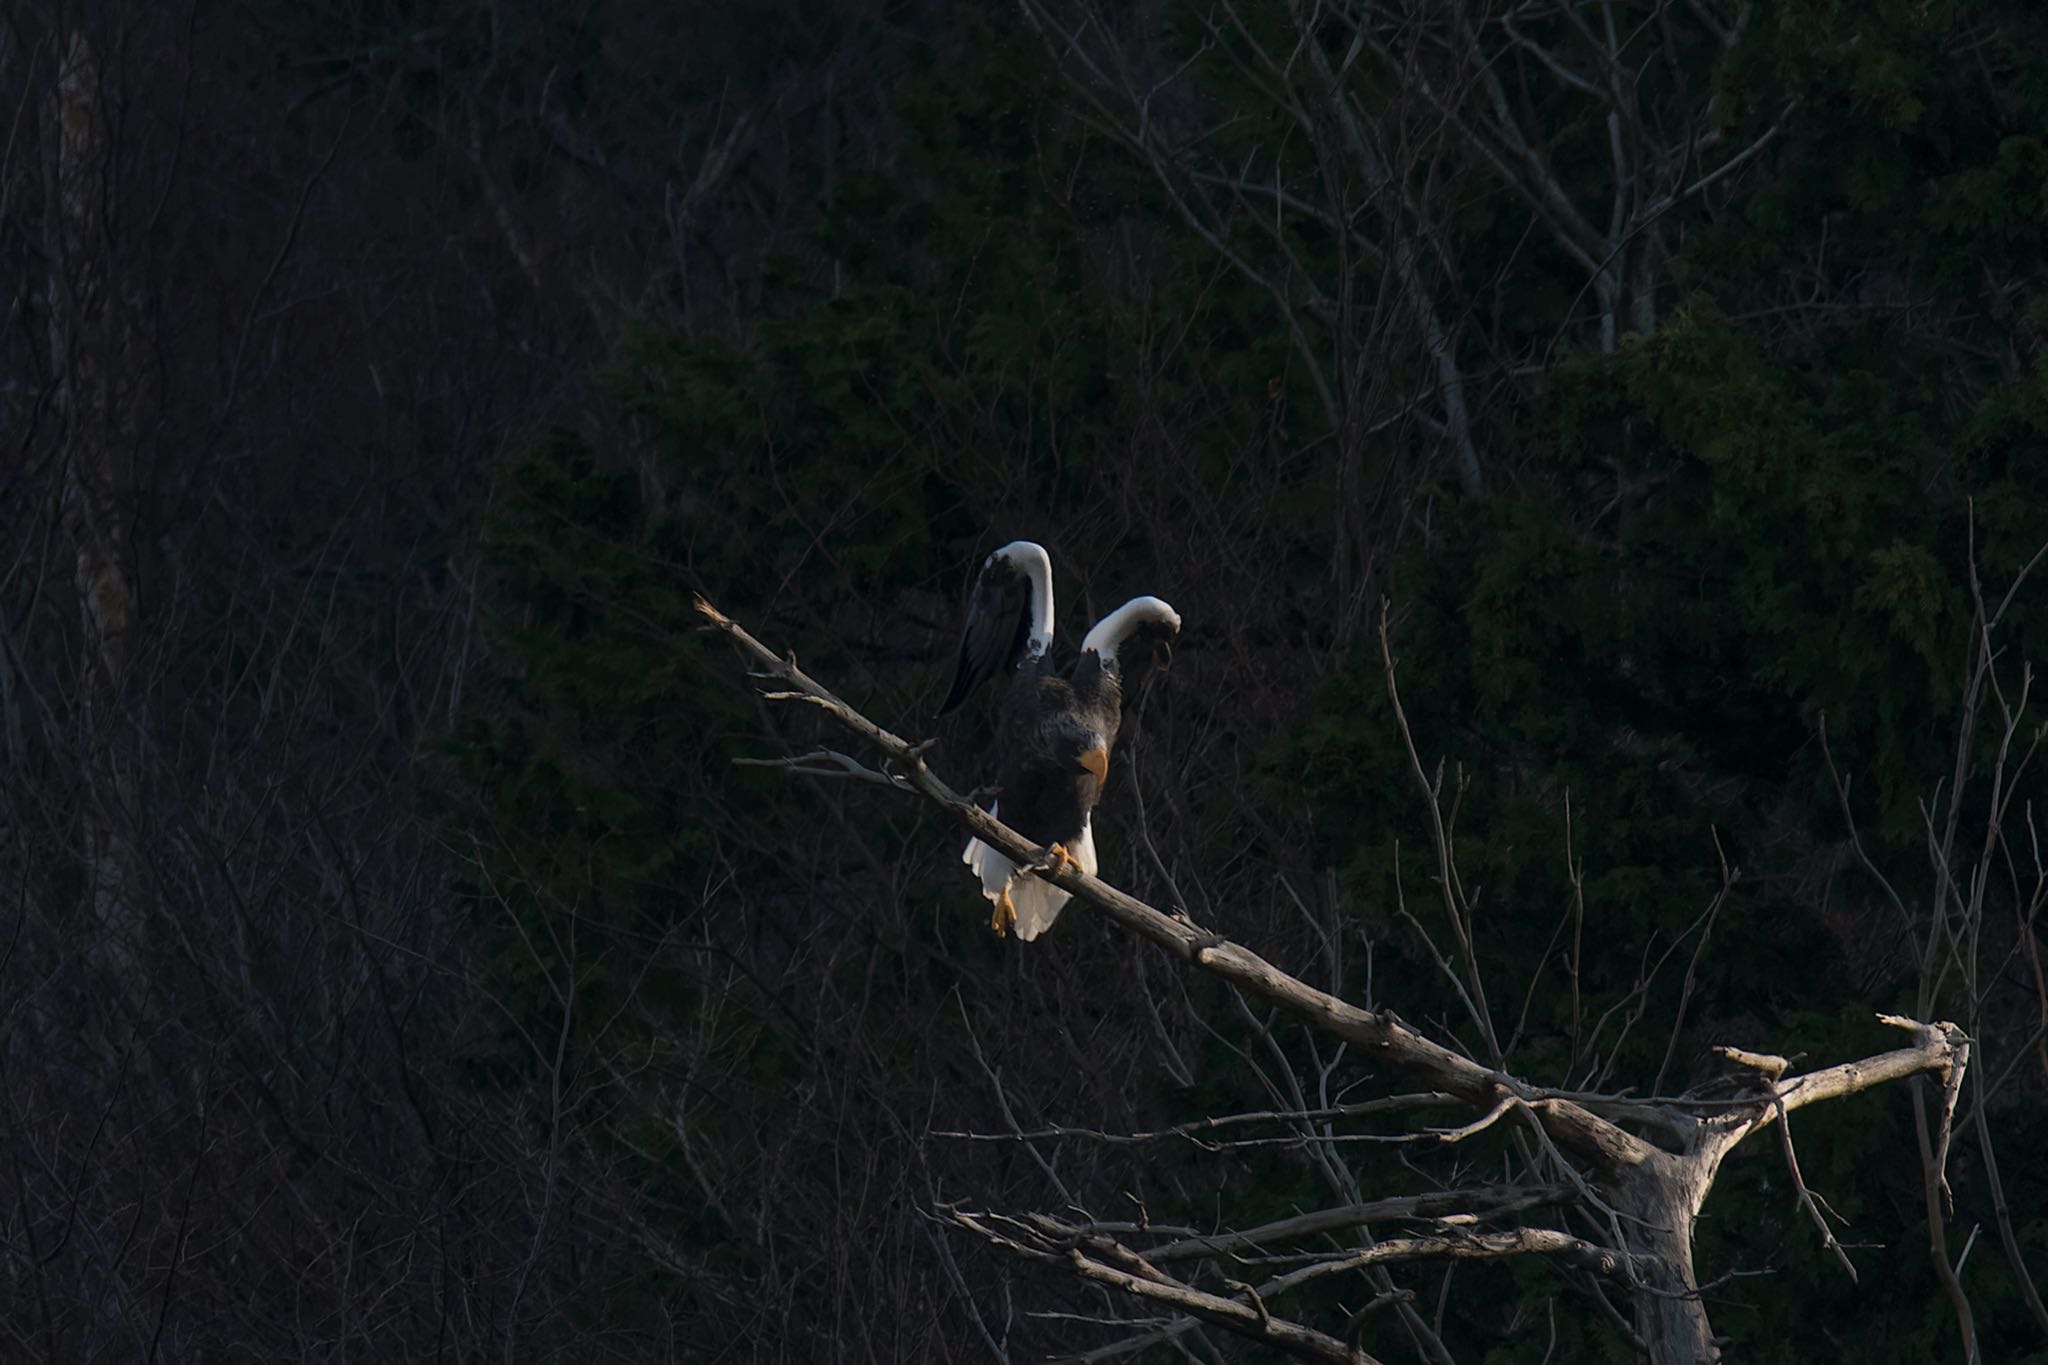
(1048, 723)
(1054, 733)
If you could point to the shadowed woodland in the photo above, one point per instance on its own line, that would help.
(395, 964)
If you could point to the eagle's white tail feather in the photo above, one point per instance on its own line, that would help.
(1083, 848)
(1038, 902)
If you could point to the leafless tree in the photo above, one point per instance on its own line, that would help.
(1971, 931)
(1325, 151)
(229, 956)
(1631, 1174)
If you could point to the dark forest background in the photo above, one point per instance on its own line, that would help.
(392, 963)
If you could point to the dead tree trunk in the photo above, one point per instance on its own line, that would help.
(97, 367)
(1648, 1193)
(1658, 1202)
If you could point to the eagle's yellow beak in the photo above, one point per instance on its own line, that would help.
(1096, 761)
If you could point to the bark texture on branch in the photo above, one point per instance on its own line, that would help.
(1652, 1193)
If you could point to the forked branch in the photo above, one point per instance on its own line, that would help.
(1649, 1193)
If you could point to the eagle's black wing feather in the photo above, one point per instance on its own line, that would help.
(998, 626)
(1144, 654)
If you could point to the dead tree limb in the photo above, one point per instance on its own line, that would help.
(1651, 1193)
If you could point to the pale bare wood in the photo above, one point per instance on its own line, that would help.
(1490, 1202)
(1113, 1266)
(1651, 1194)
(1384, 1037)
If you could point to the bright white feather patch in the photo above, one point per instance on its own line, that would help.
(1112, 630)
(1038, 902)
(1031, 557)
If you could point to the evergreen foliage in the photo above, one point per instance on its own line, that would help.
(1694, 549)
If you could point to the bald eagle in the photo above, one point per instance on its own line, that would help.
(1054, 733)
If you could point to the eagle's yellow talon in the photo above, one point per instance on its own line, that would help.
(1005, 914)
(1054, 861)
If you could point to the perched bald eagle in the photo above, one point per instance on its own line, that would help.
(1054, 733)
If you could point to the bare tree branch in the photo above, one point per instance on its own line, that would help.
(1651, 1195)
